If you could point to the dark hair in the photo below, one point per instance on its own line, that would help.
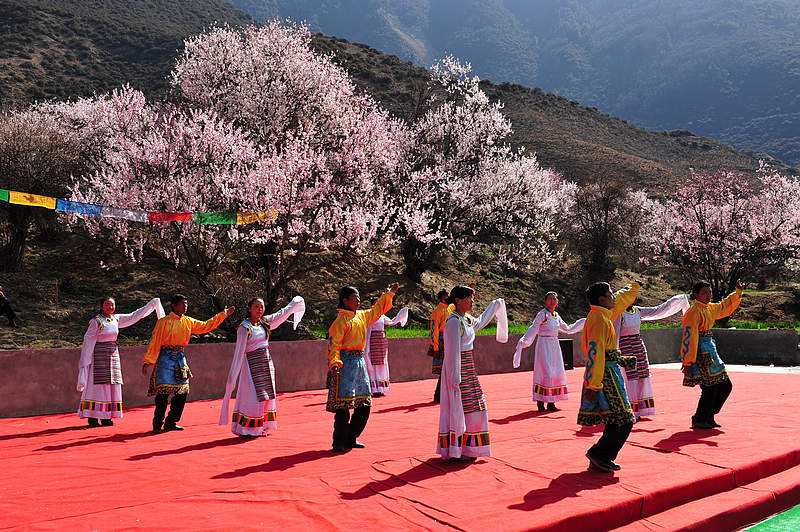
(104, 299)
(596, 291)
(699, 285)
(459, 292)
(177, 298)
(548, 294)
(441, 294)
(250, 305)
(344, 293)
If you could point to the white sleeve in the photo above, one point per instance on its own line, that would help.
(87, 354)
(452, 351)
(233, 374)
(673, 305)
(497, 310)
(529, 336)
(401, 318)
(575, 328)
(296, 308)
(154, 305)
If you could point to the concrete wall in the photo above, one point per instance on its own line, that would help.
(42, 381)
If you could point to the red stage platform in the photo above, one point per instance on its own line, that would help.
(58, 474)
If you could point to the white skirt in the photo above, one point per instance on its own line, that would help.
(640, 394)
(252, 417)
(473, 442)
(378, 375)
(100, 401)
(549, 377)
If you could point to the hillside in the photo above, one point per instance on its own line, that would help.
(726, 69)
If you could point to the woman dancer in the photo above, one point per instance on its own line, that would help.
(463, 417)
(628, 325)
(348, 383)
(376, 352)
(255, 411)
(100, 371)
(549, 377)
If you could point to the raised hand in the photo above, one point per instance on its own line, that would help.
(740, 285)
(394, 287)
(229, 311)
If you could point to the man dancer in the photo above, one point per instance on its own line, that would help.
(165, 356)
(438, 319)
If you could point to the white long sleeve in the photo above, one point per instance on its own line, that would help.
(296, 307)
(233, 373)
(497, 310)
(87, 353)
(529, 336)
(401, 318)
(673, 305)
(452, 350)
(575, 328)
(154, 305)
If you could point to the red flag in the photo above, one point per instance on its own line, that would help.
(169, 216)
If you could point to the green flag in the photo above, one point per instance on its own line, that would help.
(215, 218)
(3, 194)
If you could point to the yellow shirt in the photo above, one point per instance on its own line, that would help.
(177, 330)
(700, 318)
(599, 335)
(348, 332)
(438, 319)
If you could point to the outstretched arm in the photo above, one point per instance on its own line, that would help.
(87, 353)
(296, 307)
(529, 336)
(624, 298)
(673, 305)
(496, 309)
(154, 305)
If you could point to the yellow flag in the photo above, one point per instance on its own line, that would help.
(34, 200)
(243, 218)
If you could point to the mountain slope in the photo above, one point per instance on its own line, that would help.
(725, 68)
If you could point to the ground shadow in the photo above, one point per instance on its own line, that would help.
(522, 416)
(46, 432)
(564, 486)
(433, 467)
(224, 442)
(278, 463)
(115, 438)
(588, 432)
(315, 404)
(406, 408)
(688, 437)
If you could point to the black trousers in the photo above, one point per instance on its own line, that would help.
(437, 394)
(612, 440)
(175, 409)
(347, 429)
(711, 400)
(7, 311)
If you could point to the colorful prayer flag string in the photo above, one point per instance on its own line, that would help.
(103, 211)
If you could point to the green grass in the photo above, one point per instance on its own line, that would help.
(743, 324)
(788, 520)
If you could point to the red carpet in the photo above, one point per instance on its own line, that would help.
(56, 474)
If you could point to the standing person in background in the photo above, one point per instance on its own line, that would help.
(99, 369)
(348, 382)
(628, 327)
(6, 310)
(549, 377)
(701, 363)
(463, 415)
(604, 400)
(376, 352)
(436, 349)
(165, 360)
(256, 406)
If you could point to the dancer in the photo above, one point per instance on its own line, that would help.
(463, 417)
(436, 349)
(603, 399)
(99, 369)
(6, 309)
(376, 353)
(348, 383)
(549, 377)
(701, 363)
(627, 327)
(166, 361)
(255, 411)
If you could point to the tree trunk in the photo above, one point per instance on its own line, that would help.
(417, 258)
(14, 251)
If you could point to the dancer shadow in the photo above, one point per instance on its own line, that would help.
(588, 432)
(687, 437)
(406, 408)
(116, 438)
(278, 463)
(433, 467)
(224, 442)
(315, 404)
(45, 432)
(522, 416)
(564, 486)
(648, 431)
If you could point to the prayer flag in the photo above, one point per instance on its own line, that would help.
(216, 218)
(3, 194)
(32, 200)
(123, 214)
(169, 216)
(244, 218)
(77, 207)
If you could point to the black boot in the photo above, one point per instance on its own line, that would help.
(540, 406)
(106, 422)
(94, 422)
